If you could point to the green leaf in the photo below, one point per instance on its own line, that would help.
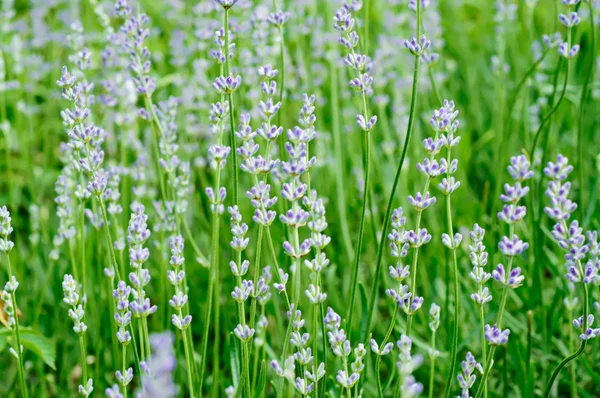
(262, 380)
(34, 341)
(2, 342)
(42, 346)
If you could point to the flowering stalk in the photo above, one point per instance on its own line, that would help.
(399, 272)
(344, 23)
(138, 234)
(479, 259)
(181, 319)
(451, 241)
(9, 297)
(218, 154)
(409, 129)
(407, 363)
(434, 324)
(442, 122)
(584, 94)
(568, 51)
(76, 313)
(242, 291)
(511, 246)
(278, 19)
(123, 320)
(227, 4)
(571, 239)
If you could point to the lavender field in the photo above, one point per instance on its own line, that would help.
(299, 198)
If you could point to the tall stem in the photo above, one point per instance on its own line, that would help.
(234, 162)
(453, 351)
(584, 93)
(388, 212)
(490, 357)
(367, 159)
(17, 336)
(432, 367)
(383, 343)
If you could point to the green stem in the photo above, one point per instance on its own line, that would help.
(388, 213)
(555, 108)
(432, 367)
(234, 162)
(584, 93)
(483, 347)
(383, 343)
(339, 170)
(367, 156)
(109, 241)
(124, 368)
(83, 360)
(454, 350)
(490, 357)
(581, 348)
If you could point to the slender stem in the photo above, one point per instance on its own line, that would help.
(483, 346)
(383, 343)
(124, 368)
(501, 149)
(486, 372)
(454, 350)
(555, 108)
(339, 170)
(573, 369)
(83, 359)
(234, 162)
(432, 367)
(490, 357)
(584, 93)
(367, 156)
(109, 241)
(388, 213)
(17, 336)
(581, 348)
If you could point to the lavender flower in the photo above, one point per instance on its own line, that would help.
(495, 336)
(407, 363)
(467, 378)
(157, 382)
(138, 234)
(76, 313)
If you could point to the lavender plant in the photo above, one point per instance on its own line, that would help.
(173, 112)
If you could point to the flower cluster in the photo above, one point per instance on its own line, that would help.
(360, 63)
(10, 288)
(76, 313)
(6, 229)
(570, 20)
(123, 320)
(407, 363)
(479, 259)
(511, 246)
(85, 139)
(303, 355)
(495, 336)
(400, 240)
(158, 378)
(570, 237)
(467, 378)
(138, 234)
(177, 171)
(176, 276)
(136, 31)
(342, 348)
(317, 225)
(244, 288)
